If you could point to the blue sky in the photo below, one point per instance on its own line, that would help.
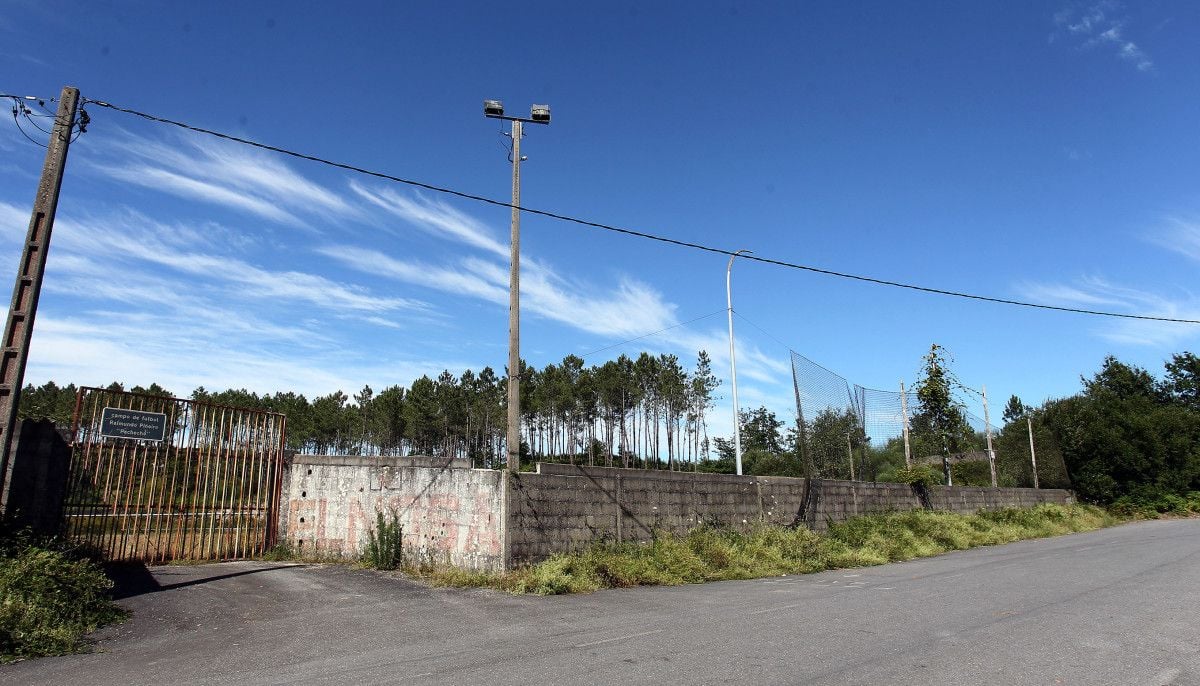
(1036, 151)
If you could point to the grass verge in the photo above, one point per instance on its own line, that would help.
(717, 554)
(51, 596)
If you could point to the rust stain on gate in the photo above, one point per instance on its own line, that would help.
(209, 490)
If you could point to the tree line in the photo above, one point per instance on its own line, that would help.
(643, 411)
(1126, 434)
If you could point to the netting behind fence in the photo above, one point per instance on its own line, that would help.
(848, 431)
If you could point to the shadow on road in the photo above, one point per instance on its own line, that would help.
(133, 578)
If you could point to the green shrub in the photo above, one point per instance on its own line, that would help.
(49, 601)
(972, 473)
(385, 547)
(921, 475)
(1149, 503)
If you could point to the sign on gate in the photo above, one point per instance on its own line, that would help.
(198, 481)
(119, 423)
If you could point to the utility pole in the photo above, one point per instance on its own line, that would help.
(1032, 453)
(18, 329)
(987, 423)
(904, 411)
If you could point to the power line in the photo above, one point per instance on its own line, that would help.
(629, 232)
(764, 331)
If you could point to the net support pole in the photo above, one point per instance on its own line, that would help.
(904, 413)
(1032, 452)
(987, 425)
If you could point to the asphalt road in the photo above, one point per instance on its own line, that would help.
(1119, 606)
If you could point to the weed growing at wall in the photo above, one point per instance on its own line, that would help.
(717, 554)
(385, 548)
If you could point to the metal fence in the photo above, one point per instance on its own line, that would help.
(155, 478)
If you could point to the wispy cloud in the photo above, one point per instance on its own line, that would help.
(1092, 292)
(223, 174)
(433, 216)
(1101, 24)
(446, 279)
(625, 309)
(137, 242)
(150, 350)
(134, 237)
(1181, 236)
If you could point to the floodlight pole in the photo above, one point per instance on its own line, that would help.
(513, 436)
(540, 115)
(737, 422)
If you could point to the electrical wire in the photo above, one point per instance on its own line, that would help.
(23, 133)
(768, 334)
(630, 232)
(79, 125)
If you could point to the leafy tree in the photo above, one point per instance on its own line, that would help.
(1122, 436)
(1182, 382)
(834, 439)
(940, 425)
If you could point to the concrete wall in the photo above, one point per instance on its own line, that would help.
(450, 512)
(462, 516)
(564, 507)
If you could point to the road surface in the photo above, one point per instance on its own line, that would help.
(1118, 606)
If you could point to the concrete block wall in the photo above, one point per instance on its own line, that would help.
(450, 512)
(564, 507)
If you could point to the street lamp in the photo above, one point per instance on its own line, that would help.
(538, 114)
(737, 428)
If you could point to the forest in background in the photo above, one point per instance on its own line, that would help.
(1127, 434)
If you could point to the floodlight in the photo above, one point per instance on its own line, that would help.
(493, 108)
(540, 114)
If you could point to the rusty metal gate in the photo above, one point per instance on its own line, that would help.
(155, 478)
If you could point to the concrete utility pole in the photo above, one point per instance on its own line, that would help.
(513, 439)
(1032, 453)
(539, 114)
(18, 329)
(904, 411)
(737, 420)
(987, 423)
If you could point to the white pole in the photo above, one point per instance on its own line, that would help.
(987, 423)
(737, 422)
(904, 410)
(1032, 454)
